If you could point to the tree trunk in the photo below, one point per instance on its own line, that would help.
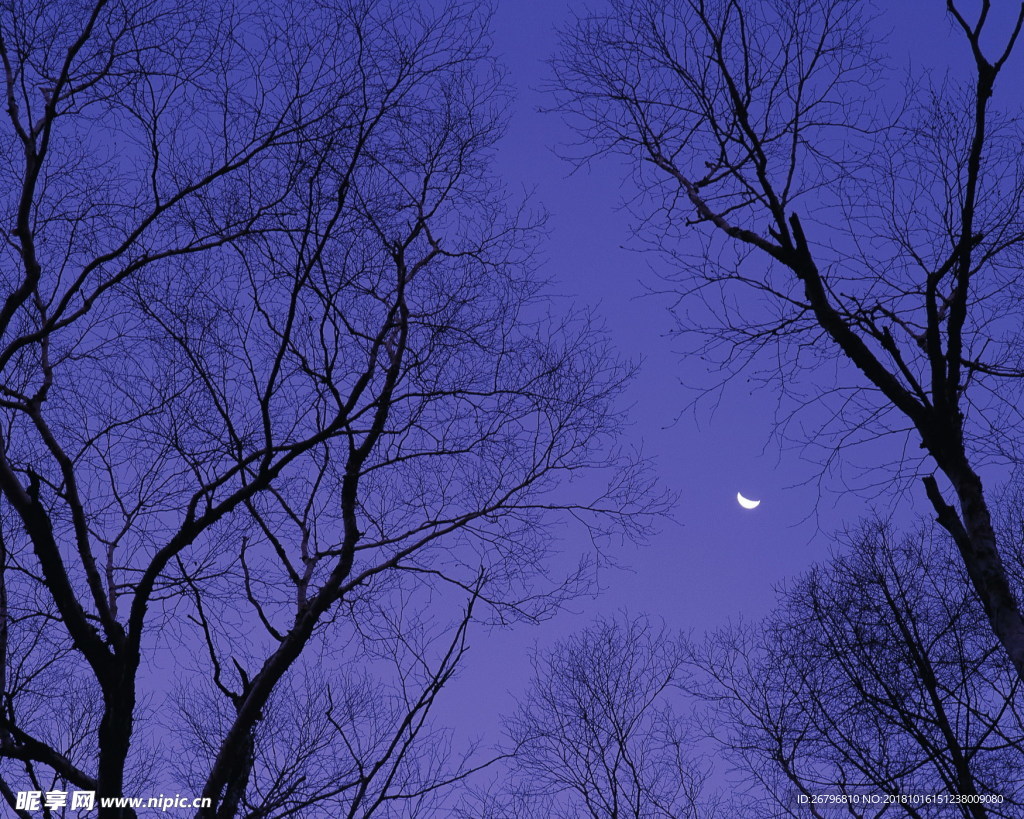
(115, 736)
(975, 537)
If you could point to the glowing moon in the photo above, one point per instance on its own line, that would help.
(746, 503)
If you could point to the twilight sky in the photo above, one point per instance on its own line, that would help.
(718, 560)
(250, 383)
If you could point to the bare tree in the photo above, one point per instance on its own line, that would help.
(876, 675)
(352, 737)
(884, 246)
(597, 735)
(275, 367)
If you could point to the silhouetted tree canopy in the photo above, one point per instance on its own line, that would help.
(876, 246)
(599, 733)
(275, 371)
(876, 674)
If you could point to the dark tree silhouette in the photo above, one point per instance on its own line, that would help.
(840, 237)
(876, 674)
(596, 735)
(274, 374)
(351, 737)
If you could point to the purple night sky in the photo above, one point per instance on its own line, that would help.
(345, 492)
(716, 561)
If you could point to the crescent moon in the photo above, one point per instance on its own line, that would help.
(746, 503)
